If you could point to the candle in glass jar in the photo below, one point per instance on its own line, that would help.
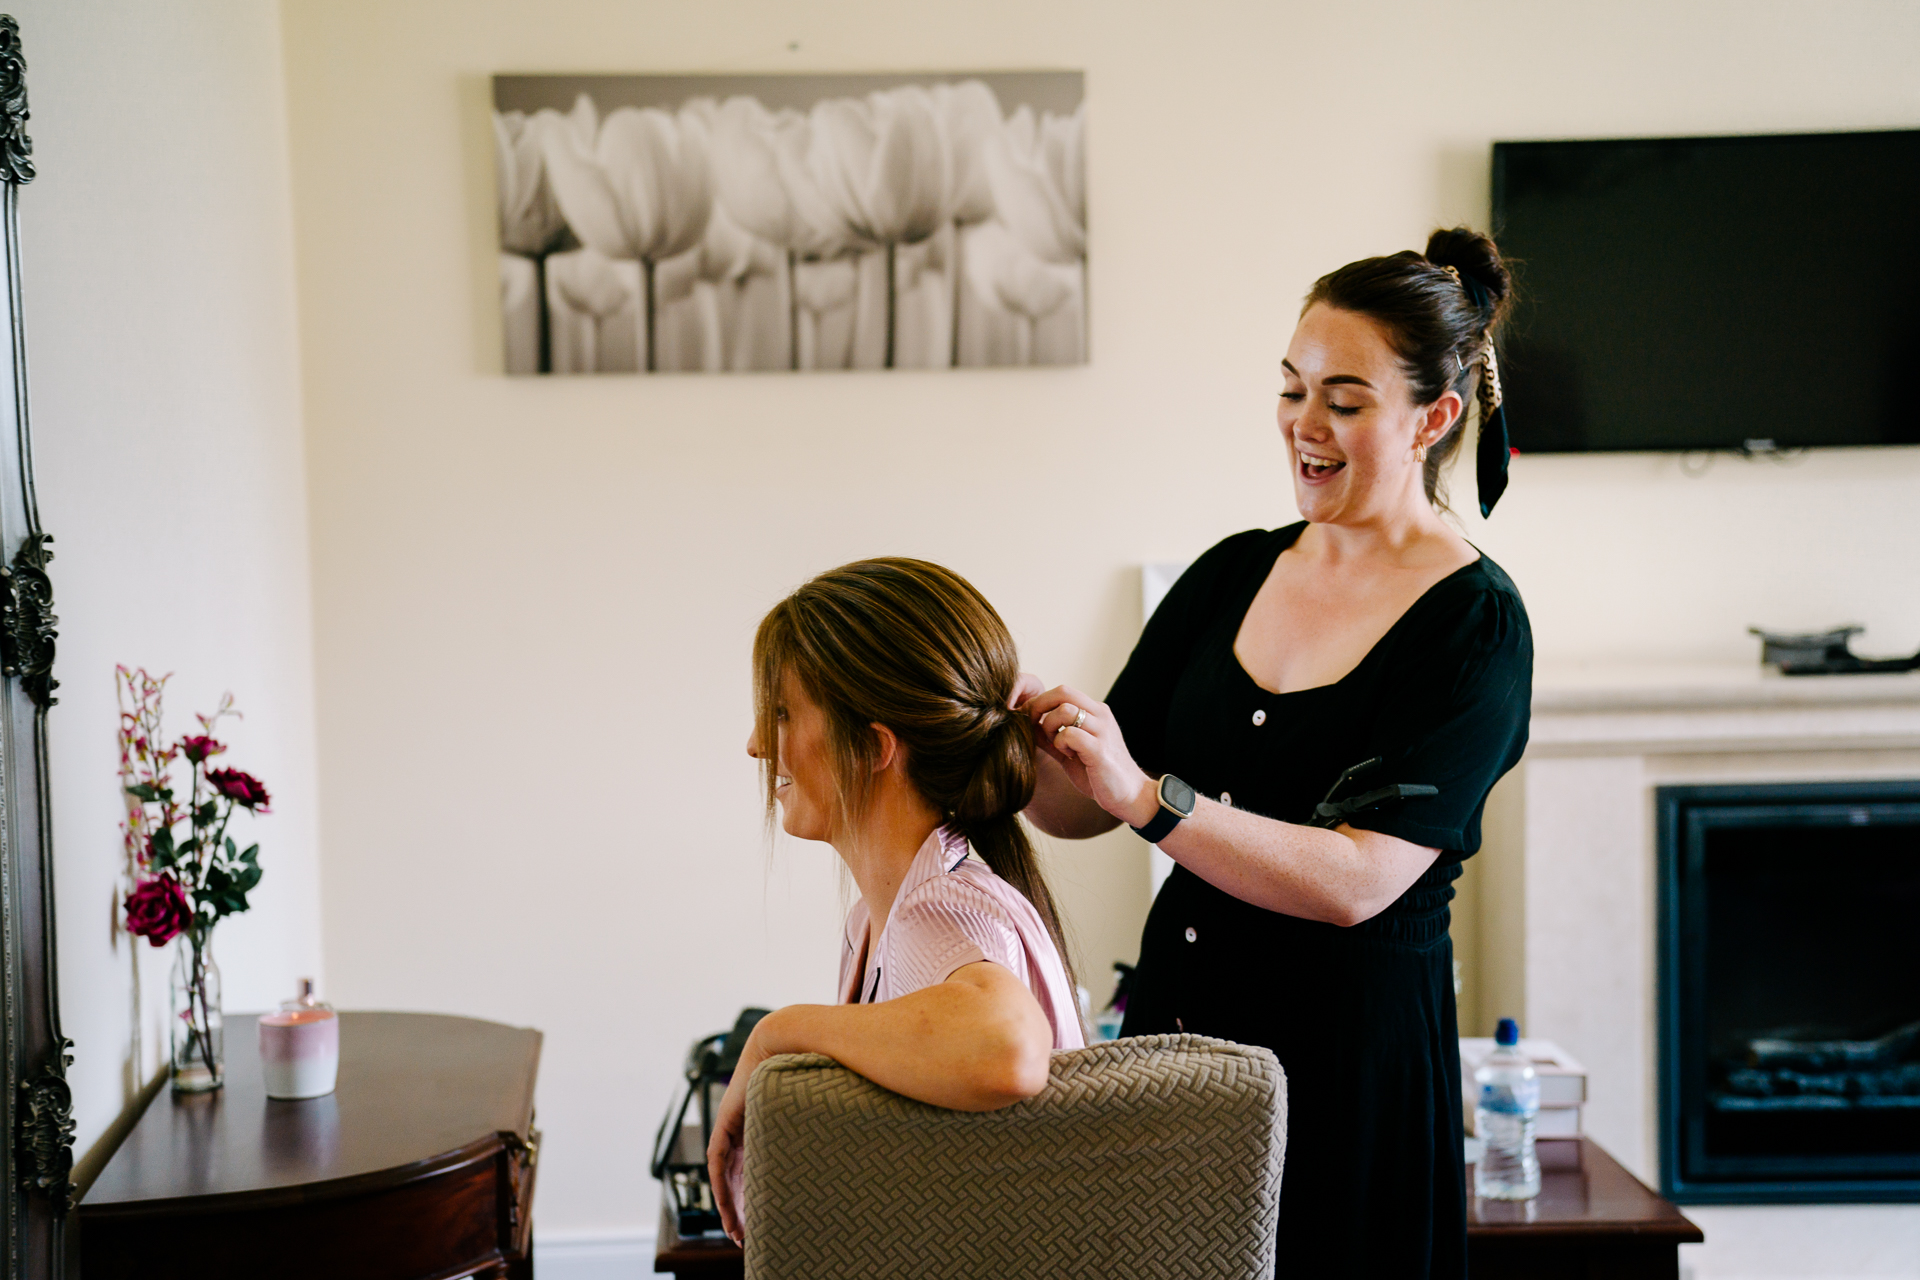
(300, 1047)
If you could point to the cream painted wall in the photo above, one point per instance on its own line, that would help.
(157, 245)
(533, 600)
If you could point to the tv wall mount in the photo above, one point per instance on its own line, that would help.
(1823, 653)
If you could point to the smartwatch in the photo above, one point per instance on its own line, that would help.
(1176, 802)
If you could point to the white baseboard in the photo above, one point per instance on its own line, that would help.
(616, 1254)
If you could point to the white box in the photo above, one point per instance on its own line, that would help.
(1563, 1081)
(1563, 1084)
(1556, 1122)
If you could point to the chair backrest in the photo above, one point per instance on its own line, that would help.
(1150, 1157)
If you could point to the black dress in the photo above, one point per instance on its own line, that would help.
(1361, 1018)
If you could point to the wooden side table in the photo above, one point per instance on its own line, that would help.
(1592, 1221)
(695, 1259)
(419, 1166)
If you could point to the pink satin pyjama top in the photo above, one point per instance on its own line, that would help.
(952, 911)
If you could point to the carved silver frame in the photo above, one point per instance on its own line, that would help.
(38, 1160)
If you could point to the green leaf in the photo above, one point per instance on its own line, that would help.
(230, 849)
(247, 879)
(203, 815)
(253, 851)
(145, 792)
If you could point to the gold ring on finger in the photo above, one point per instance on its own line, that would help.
(1080, 719)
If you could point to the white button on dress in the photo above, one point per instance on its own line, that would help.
(1192, 936)
(1259, 718)
(1226, 798)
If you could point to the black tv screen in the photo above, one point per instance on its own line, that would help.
(1712, 293)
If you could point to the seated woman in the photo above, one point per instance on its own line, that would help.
(882, 725)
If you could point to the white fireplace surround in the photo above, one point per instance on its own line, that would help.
(1567, 884)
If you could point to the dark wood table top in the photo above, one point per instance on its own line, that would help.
(706, 1256)
(1584, 1192)
(416, 1090)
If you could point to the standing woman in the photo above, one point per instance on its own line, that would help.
(1282, 657)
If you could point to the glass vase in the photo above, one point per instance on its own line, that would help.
(199, 1057)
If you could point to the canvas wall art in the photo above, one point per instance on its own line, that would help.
(791, 222)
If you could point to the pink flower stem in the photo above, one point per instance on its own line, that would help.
(193, 822)
(199, 1019)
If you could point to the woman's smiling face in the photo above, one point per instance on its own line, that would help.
(1349, 420)
(802, 764)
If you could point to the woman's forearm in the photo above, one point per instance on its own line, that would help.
(1342, 877)
(975, 1042)
(1061, 809)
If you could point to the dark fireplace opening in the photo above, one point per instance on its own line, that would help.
(1790, 992)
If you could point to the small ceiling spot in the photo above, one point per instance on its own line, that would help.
(793, 46)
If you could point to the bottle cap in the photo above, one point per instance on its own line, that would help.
(1507, 1034)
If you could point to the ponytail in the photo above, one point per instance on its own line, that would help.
(1000, 785)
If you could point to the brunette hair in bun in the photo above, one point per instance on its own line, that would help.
(1441, 311)
(915, 647)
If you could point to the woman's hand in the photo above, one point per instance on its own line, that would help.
(1061, 806)
(976, 1042)
(726, 1151)
(1079, 732)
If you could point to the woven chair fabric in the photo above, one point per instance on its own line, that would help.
(1158, 1156)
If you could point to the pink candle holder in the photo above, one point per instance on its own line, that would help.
(300, 1047)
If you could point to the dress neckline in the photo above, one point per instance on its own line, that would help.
(1240, 618)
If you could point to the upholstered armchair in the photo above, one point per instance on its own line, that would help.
(1158, 1156)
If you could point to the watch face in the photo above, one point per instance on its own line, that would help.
(1177, 796)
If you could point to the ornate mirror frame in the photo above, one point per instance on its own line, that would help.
(38, 1160)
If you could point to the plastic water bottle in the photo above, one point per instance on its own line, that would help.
(1504, 1119)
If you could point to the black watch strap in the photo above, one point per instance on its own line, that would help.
(1172, 793)
(1161, 827)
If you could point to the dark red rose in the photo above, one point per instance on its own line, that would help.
(158, 910)
(199, 747)
(243, 789)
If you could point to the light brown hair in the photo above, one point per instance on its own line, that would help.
(912, 646)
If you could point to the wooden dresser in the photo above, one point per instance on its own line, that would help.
(419, 1166)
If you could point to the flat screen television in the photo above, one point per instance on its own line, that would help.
(1712, 293)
